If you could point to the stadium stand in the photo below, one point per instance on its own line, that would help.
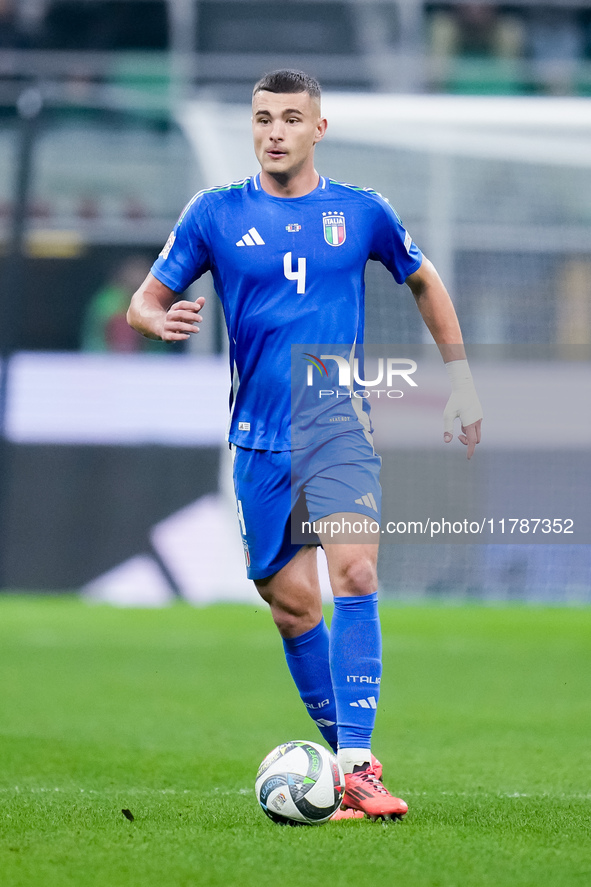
(391, 45)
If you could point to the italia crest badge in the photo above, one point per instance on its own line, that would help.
(334, 228)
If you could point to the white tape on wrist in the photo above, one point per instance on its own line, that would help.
(463, 402)
(458, 372)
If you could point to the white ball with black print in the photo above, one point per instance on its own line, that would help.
(300, 783)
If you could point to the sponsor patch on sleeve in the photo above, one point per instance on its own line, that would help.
(407, 242)
(168, 245)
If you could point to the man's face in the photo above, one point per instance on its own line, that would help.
(285, 127)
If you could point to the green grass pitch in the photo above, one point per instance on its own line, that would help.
(484, 727)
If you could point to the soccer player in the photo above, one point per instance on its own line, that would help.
(287, 249)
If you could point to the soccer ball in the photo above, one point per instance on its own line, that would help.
(300, 783)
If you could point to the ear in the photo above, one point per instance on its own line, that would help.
(321, 127)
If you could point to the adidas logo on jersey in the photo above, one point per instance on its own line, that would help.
(368, 500)
(252, 238)
(370, 702)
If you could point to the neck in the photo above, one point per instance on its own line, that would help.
(280, 185)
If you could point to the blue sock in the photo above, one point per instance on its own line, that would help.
(356, 667)
(307, 659)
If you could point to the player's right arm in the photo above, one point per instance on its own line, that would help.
(156, 313)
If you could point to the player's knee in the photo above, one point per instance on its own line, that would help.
(294, 613)
(356, 577)
(288, 624)
(292, 622)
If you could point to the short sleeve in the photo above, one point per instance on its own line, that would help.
(392, 245)
(185, 255)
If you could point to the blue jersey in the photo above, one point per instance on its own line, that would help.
(288, 271)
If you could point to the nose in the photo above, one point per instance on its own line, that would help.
(277, 131)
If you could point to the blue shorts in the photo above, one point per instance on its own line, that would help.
(274, 489)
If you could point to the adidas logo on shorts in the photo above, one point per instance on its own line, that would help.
(368, 500)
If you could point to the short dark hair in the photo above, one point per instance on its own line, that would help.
(288, 81)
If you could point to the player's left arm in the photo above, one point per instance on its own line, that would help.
(439, 314)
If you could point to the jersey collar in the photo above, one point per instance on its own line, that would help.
(321, 186)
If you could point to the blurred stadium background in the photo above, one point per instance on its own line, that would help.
(472, 118)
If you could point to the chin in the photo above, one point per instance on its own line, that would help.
(276, 168)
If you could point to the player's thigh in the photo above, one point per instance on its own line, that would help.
(342, 489)
(344, 498)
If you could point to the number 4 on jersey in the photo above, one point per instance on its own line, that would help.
(299, 275)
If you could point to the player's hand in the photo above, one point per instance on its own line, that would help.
(182, 320)
(463, 404)
(470, 436)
